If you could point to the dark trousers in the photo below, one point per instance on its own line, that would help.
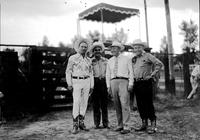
(133, 102)
(100, 101)
(144, 97)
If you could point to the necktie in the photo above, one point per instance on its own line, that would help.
(116, 67)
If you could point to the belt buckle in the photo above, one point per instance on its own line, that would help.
(79, 77)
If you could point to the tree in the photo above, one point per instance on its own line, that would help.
(73, 40)
(45, 41)
(94, 36)
(62, 45)
(120, 36)
(164, 45)
(190, 32)
(9, 50)
(165, 59)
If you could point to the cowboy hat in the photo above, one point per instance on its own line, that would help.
(139, 42)
(79, 41)
(97, 44)
(117, 44)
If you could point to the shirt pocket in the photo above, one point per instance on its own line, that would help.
(146, 62)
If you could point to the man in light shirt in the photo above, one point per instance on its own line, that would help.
(79, 76)
(119, 80)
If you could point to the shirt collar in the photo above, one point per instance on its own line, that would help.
(142, 54)
(79, 55)
(101, 59)
(120, 55)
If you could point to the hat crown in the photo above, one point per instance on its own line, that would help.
(98, 43)
(116, 43)
(139, 42)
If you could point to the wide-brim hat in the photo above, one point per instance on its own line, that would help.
(117, 44)
(139, 42)
(97, 44)
(79, 41)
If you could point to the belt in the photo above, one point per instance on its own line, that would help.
(99, 78)
(120, 78)
(141, 79)
(80, 77)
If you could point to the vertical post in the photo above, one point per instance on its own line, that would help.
(139, 26)
(146, 22)
(78, 28)
(102, 31)
(0, 26)
(170, 47)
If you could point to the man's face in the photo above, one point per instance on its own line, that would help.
(97, 51)
(83, 47)
(115, 50)
(138, 49)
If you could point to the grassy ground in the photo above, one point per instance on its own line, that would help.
(178, 119)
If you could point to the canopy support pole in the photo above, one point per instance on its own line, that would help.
(146, 22)
(102, 30)
(78, 28)
(139, 24)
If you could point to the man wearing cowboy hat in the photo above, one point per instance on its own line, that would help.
(80, 79)
(144, 74)
(99, 95)
(119, 80)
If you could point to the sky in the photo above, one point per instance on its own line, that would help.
(28, 21)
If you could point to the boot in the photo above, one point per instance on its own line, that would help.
(81, 123)
(75, 126)
(144, 126)
(152, 129)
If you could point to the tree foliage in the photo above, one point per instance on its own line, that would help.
(190, 32)
(164, 45)
(120, 36)
(45, 41)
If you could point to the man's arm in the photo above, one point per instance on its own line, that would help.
(108, 78)
(91, 78)
(157, 64)
(108, 75)
(130, 69)
(68, 72)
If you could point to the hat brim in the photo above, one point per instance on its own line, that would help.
(79, 41)
(143, 44)
(94, 46)
(119, 46)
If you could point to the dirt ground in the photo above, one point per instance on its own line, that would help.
(178, 119)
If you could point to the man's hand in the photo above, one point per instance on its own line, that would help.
(70, 88)
(149, 77)
(109, 92)
(130, 88)
(91, 91)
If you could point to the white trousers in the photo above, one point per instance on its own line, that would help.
(81, 88)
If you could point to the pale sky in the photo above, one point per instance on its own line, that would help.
(27, 21)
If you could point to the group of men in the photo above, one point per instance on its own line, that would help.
(99, 78)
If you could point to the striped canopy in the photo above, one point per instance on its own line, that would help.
(107, 13)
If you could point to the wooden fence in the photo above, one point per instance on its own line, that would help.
(47, 74)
